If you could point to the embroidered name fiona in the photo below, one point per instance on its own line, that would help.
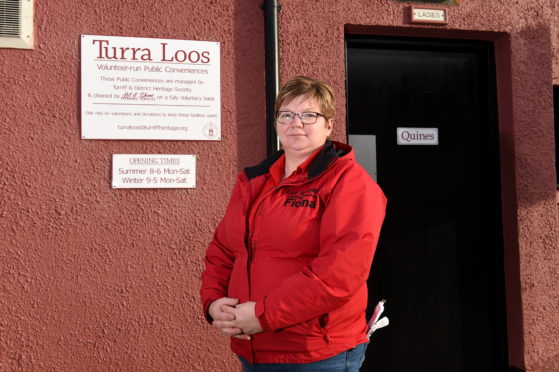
(297, 203)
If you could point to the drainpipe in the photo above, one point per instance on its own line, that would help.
(271, 39)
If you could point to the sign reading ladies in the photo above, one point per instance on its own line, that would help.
(140, 88)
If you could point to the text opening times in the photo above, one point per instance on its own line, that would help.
(154, 171)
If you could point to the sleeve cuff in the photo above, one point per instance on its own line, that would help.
(207, 304)
(259, 311)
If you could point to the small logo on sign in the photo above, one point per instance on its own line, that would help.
(210, 130)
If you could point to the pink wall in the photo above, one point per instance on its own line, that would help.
(93, 277)
(522, 34)
(555, 43)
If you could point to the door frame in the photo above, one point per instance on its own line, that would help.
(509, 208)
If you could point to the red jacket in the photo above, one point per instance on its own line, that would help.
(304, 260)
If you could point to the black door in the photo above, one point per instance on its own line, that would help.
(439, 261)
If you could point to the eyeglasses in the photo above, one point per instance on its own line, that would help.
(287, 117)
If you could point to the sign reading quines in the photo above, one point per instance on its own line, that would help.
(142, 171)
(141, 88)
(417, 136)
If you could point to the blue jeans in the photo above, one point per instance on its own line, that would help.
(348, 361)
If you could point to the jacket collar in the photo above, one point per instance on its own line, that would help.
(329, 152)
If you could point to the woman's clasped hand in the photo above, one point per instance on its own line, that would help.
(234, 319)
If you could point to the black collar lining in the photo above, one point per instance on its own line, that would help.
(264, 166)
(327, 154)
(323, 160)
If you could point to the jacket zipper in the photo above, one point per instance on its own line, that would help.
(250, 254)
(251, 228)
(250, 240)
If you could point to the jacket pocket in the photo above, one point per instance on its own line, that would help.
(323, 324)
(308, 328)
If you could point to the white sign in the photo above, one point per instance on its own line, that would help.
(140, 171)
(426, 15)
(417, 136)
(140, 88)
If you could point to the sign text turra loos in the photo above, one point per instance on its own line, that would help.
(106, 51)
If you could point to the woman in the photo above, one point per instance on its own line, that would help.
(286, 272)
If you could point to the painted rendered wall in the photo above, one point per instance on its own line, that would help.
(555, 43)
(93, 278)
(522, 33)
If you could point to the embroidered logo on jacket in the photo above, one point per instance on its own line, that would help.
(298, 199)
